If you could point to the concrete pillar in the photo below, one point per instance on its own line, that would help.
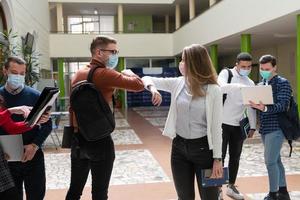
(246, 43)
(60, 18)
(120, 19)
(192, 8)
(212, 2)
(167, 23)
(177, 17)
(213, 51)
(298, 60)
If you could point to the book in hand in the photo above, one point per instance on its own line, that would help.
(213, 182)
(43, 104)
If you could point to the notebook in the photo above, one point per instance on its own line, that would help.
(210, 182)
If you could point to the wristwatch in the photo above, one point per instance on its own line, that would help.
(218, 159)
(36, 147)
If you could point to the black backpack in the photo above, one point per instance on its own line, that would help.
(93, 114)
(289, 122)
(230, 75)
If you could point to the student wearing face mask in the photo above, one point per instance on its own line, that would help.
(194, 122)
(233, 112)
(98, 156)
(31, 171)
(272, 135)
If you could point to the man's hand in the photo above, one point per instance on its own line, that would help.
(251, 133)
(44, 118)
(259, 106)
(29, 152)
(6, 156)
(156, 97)
(20, 110)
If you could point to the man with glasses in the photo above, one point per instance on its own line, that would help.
(98, 156)
(233, 112)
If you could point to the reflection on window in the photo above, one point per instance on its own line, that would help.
(137, 62)
(91, 24)
(163, 62)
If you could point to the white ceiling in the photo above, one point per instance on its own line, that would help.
(275, 32)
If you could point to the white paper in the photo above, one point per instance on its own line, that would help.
(13, 146)
(257, 94)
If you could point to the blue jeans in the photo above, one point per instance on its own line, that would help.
(273, 143)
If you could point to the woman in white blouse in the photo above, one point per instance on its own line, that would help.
(194, 121)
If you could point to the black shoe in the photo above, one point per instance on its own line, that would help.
(284, 196)
(269, 197)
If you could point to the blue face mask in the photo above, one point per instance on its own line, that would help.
(244, 72)
(15, 80)
(265, 74)
(112, 61)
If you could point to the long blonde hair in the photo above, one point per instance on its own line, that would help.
(199, 69)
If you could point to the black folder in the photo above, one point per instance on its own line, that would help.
(43, 104)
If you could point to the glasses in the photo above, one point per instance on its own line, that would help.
(111, 51)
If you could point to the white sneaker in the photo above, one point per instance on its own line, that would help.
(220, 197)
(234, 193)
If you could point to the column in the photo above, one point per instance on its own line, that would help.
(213, 51)
(298, 60)
(246, 43)
(167, 23)
(192, 8)
(177, 17)
(121, 93)
(60, 18)
(212, 2)
(61, 83)
(120, 19)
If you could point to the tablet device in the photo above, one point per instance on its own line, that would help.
(257, 94)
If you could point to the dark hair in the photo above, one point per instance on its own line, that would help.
(14, 59)
(244, 56)
(267, 59)
(101, 42)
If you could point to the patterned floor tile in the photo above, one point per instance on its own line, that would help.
(150, 113)
(252, 160)
(125, 137)
(130, 167)
(158, 121)
(295, 195)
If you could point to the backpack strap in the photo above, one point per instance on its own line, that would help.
(230, 75)
(91, 73)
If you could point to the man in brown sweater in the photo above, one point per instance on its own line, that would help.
(98, 156)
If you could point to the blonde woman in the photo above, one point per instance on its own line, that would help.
(194, 121)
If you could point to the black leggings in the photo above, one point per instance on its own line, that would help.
(232, 137)
(10, 194)
(188, 158)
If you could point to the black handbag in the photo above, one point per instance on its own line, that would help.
(245, 127)
(67, 137)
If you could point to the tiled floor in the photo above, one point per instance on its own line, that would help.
(142, 167)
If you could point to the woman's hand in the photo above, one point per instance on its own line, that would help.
(259, 106)
(156, 97)
(20, 110)
(217, 171)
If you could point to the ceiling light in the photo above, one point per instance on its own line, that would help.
(96, 11)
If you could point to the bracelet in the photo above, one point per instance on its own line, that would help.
(36, 147)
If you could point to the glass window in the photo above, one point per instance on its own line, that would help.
(107, 24)
(163, 62)
(137, 62)
(75, 24)
(91, 24)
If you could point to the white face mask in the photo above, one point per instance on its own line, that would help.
(15, 81)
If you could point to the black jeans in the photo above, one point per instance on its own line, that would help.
(32, 174)
(188, 157)
(96, 156)
(232, 137)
